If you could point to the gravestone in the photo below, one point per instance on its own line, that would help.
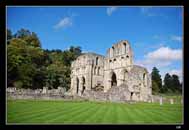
(152, 99)
(171, 101)
(45, 89)
(161, 101)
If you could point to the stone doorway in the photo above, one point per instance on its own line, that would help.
(113, 80)
(83, 85)
(77, 84)
(131, 97)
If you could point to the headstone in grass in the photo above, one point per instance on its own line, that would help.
(171, 101)
(161, 101)
(152, 100)
(45, 89)
(181, 101)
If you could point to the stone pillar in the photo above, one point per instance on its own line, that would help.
(119, 82)
(80, 86)
(107, 85)
(111, 52)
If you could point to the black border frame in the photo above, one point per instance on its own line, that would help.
(4, 3)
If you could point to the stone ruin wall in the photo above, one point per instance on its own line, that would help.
(45, 93)
(87, 73)
(115, 70)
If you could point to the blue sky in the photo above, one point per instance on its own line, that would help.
(155, 33)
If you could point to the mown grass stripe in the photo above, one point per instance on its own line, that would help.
(80, 117)
(46, 112)
(83, 118)
(63, 114)
(71, 114)
(50, 116)
(101, 114)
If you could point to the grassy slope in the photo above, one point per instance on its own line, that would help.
(24, 111)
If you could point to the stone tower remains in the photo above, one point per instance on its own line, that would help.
(93, 74)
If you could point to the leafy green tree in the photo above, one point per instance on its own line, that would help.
(155, 88)
(167, 83)
(22, 33)
(172, 84)
(32, 40)
(156, 77)
(26, 73)
(176, 86)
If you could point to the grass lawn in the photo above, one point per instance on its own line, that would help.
(73, 112)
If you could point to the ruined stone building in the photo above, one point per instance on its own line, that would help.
(114, 76)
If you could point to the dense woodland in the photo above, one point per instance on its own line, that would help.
(31, 66)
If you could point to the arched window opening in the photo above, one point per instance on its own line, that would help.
(131, 96)
(144, 80)
(83, 85)
(113, 51)
(125, 75)
(113, 80)
(96, 60)
(124, 47)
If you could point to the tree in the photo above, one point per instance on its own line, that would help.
(9, 36)
(155, 88)
(167, 83)
(156, 77)
(30, 38)
(29, 66)
(24, 60)
(172, 84)
(176, 86)
(22, 33)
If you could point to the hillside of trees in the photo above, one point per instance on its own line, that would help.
(30, 66)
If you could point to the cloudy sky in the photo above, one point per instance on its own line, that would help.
(155, 33)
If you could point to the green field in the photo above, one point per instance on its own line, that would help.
(74, 112)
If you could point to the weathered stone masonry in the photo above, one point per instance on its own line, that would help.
(94, 75)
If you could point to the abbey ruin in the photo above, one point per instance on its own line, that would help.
(113, 78)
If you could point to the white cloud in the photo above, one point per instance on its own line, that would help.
(110, 10)
(165, 54)
(63, 23)
(176, 38)
(161, 57)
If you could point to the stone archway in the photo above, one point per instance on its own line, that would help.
(77, 85)
(113, 80)
(83, 85)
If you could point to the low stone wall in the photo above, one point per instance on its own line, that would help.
(44, 94)
(117, 94)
